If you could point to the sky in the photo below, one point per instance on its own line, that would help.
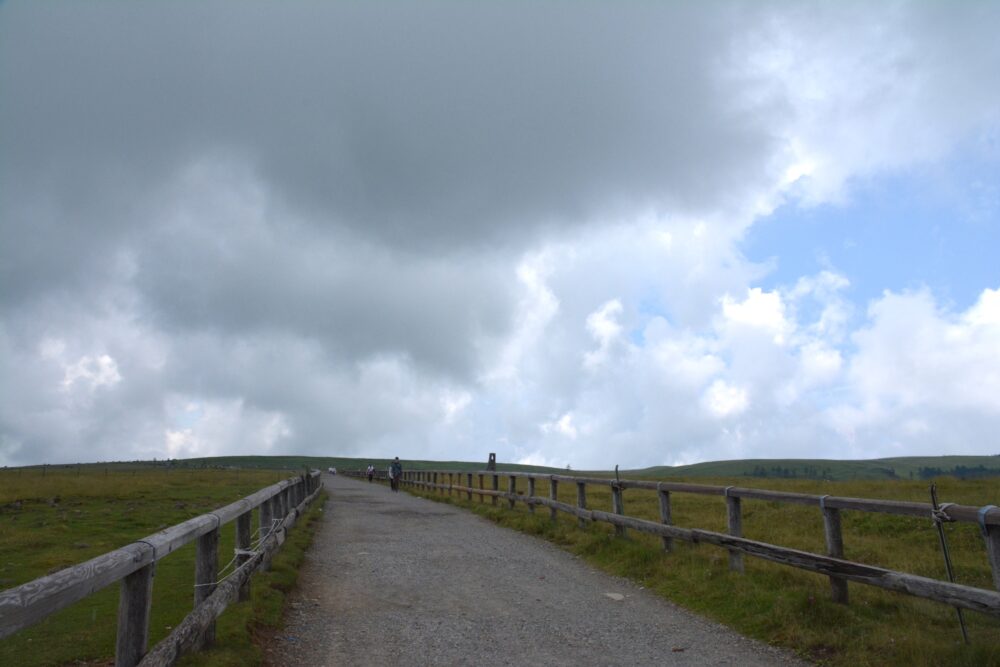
(574, 234)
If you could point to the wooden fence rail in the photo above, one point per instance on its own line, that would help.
(832, 564)
(280, 504)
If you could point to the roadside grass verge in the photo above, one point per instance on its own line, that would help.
(781, 605)
(245, 627)
(62, 518)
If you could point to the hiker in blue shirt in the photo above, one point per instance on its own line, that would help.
(395, 472)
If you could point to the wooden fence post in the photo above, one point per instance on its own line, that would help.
(135, 597)
(264, 518)
(282, 498)
(496, 486)
(469, 486)
(992, 536)
(835, 548)
(512, 489)
(531, 494)
(617, 506)
(581, 502)
(451, 484)
(735, 525)
(553, 495)
(243, 544)
(666, 518)
(206, 571)
(481, 486)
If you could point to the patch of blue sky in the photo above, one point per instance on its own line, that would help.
(189, 416)
(936, 227)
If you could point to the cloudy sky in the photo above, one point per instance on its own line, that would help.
(568, 233)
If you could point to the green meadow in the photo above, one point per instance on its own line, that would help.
(62, 515)
(781, 605)
(55, 516)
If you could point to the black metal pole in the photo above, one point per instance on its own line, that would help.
(947, 557)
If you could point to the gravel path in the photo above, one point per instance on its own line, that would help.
(393, 579)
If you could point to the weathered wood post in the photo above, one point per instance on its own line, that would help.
(264, 518)
(531, 494)
(280, 505)
(451, 484)
(512, 489)
(243, 544)
(481, 487)
(553, 495)
(434, 481)
(617, 505)
(581, 502)
(735, 525)
(206, 571)
(135, 598)
(991, 534)
(666, 517)
(496, 486)
(469, 486)
(834, 547)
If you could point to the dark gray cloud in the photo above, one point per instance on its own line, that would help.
(430, 124)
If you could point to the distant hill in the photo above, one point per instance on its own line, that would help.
(909, 467)
(913, 467)
(324, 462)
(904, 468)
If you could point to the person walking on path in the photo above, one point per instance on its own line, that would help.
(395, 472)
(371, 472)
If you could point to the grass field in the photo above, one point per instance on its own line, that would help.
(781, 605)
(72, 514)
(55, 516)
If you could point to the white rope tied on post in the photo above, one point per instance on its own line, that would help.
(940, 515)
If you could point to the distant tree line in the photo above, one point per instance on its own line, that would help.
(784, 472)
(961, 472)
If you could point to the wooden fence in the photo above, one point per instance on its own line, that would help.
(280, 505)
(831, 564)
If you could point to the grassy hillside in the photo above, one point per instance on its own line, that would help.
(901, 468)
(906, 468)
(339, 462)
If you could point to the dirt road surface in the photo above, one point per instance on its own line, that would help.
(393, 579)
